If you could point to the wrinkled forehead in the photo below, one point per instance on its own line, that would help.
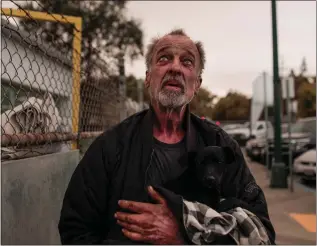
(175, 42)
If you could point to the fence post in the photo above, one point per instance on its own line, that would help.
(76, 78)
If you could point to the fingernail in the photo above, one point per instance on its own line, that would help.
(115, 215)
(122, 202)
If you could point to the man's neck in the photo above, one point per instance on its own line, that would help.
(168, 125)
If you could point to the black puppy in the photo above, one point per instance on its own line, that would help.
(202, 179)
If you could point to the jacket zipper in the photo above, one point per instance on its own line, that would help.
(145, 180)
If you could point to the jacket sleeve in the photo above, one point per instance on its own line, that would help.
(84, 204)
(241, 190)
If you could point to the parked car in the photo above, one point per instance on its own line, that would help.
(305, 165)
(259, 130)
(232, 126)
(255, 148)
(303, 138)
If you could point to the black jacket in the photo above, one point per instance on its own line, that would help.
(114, 167)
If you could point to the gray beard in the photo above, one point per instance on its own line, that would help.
(171, 99)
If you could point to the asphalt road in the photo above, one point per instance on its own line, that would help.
(307, 185)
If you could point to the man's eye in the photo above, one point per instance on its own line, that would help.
(163, 59)
(187, 61)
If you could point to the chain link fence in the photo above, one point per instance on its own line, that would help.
(51, 99)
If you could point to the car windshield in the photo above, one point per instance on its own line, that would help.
(304, 126)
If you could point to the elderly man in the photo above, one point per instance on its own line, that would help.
(117, 194)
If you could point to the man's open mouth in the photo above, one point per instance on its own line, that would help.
(173, 84)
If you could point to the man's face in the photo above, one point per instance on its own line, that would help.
(173, 77)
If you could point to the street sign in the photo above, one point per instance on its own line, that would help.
(291, 88)
(262, 90)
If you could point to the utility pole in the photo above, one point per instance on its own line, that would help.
(266, 117)
(289, 118)
(278, 175)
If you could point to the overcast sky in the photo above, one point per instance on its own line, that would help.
(237, 36)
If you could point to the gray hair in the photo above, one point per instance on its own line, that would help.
(176, 32)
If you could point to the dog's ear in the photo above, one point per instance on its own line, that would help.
(209, 153)
(229, 155)
(215, 154)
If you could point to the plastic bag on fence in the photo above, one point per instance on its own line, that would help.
(32, 116)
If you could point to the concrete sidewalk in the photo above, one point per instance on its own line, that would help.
(293, 214)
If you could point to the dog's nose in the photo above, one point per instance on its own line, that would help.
(211, 178)
(210, 181)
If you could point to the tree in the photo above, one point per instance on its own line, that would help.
(303, 84)
(299, 80)
(307, 100)
(132, 88)
(234, 106)
(303, 67)
(107, 32)
(202, 103)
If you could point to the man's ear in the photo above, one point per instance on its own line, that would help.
(198, 84)
(147, 79)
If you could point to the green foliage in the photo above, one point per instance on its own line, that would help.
(307, 100)
(303, 66)
(202, 103)
(132, 87)
(106, 29)
(305, 92)
(234, 106)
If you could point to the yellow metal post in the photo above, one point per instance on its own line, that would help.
(37, 15)
(76, 57)
(76, 77)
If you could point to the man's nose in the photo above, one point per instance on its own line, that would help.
(176, 66)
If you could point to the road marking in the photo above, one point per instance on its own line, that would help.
(308, 221)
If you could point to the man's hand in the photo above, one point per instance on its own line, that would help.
(150, 223)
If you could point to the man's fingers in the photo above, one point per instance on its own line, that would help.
(138, 207)
(139, 237)
(138, 219)
(156, 196)
(133, 235)
(131, 227)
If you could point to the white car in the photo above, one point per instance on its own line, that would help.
(232, 126)
(305, 165)
(259, 130)
(255, 148)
